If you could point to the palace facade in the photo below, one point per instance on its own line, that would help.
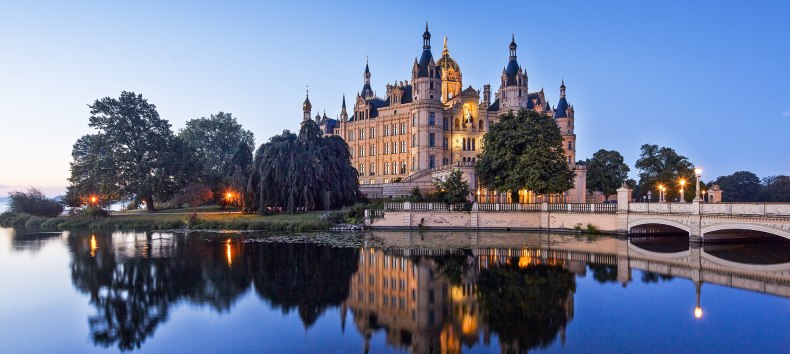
(424, 127)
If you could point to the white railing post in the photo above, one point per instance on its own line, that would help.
(592, 208)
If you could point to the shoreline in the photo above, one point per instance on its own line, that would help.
(149, 222)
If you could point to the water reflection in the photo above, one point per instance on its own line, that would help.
(134, 279)
(415, 292)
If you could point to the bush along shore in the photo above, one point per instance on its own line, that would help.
(314, 221)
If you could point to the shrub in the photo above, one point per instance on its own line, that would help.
(34, 202)
(94, 212)
(591, 229)
(335, 216)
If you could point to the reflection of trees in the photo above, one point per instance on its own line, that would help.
(650, 277)
(603, 273)
(305, 276)
(32, 241)
(527, 307)
(453, 267)
(132, 295)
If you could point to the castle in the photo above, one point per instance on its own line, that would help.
(431, 124)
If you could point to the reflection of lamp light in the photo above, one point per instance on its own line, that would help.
(698, 312)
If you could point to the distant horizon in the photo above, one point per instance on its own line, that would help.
(708, 79)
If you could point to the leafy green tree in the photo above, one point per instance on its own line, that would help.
(741, 186)
(134, 155)
(33, 202)
(524, 151)
(662, 165)
(606, 172)
(526, 307)
(416, 195)
(453, 189)
(217, 140)
(304, 172)
(775, 189)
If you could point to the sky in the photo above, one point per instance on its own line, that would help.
(710, 79)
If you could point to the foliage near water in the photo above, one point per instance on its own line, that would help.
(292, 222)
(34, 202)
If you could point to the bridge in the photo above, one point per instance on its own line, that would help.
(701, 221)
(696, 262)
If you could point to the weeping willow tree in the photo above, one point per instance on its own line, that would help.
(304, 172)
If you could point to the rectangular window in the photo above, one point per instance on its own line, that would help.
(444, 161)
(444, 143)
(386, 130)
(403, 128)
(403, 167)
(372, 170)
(361, 134)
(361, 169)
(394, 147)
(403, 146)
(413, 121)
(431, 161)
(351, 135)
(432, 118)
(413, 140)
(373, 150)
(361, 150)
(386, 148)
(445, 123)
(413, 163)
(431, 140)
(372, 133)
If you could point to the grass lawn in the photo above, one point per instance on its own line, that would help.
(170, 220)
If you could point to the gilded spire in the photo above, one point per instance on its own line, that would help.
(445, 52)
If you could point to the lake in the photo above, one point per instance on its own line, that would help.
(383, 292)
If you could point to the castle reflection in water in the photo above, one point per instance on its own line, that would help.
(427, 292)
(428, 301)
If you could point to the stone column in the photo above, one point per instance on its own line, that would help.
(623, 198)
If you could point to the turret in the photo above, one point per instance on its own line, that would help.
(513, 89)
(306, 107)
(343, 113)
(367, 92)
(426, 77)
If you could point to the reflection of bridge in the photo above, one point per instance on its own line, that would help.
(697, 263)
(702, 221)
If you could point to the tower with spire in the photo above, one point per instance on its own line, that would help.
(513, 90)
(563, 114)
(306, 107)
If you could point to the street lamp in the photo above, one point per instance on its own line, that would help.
(649, 196)
(228, 199)
(661, 194)
(682, 185)
(698, 174)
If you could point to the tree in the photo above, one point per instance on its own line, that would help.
(453, 189)
(606, 172)
(775, 189)
(662, 165)
(741, 186)
(134, 155)
(217, 140)
(524, 151)
(33, 202)
(304, 172)
(196, 194)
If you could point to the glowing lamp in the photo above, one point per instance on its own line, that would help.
(698, 312)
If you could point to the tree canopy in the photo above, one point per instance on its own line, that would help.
(304, 172)
(33, 202)
(453, 189)
(134, 155)
(662, 165)
(524, 151)
(606, 172)
(741, 186)
(216, 140)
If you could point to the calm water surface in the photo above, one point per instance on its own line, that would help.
(388, 292)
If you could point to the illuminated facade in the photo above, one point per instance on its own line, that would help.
(432, 121)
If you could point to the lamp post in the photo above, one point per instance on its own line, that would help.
(698, 174)
(703, 196)
(228, 199)
(649, 196)
(681, 199)
(661, 194)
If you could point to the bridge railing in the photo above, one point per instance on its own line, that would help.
(734, 209)
(504, 207)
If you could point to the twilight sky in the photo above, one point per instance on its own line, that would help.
(710, 79)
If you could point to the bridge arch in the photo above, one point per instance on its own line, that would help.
(657, 221)
(745, 227)
(781, 267)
